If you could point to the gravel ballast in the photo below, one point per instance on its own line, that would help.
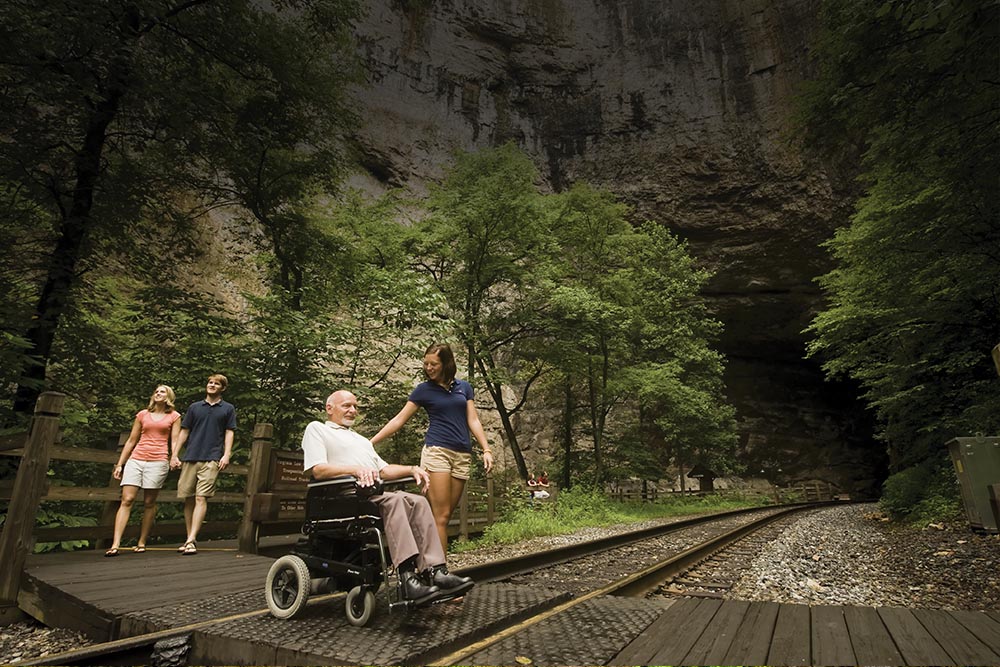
(851, 556)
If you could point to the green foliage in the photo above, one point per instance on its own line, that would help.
(631, 330)
(563, 293)
(922, 494)
(571, 510)
(583, 507)
(52, 517)
(123, 120)
(341, 295)
(355, 309)
(914, 300)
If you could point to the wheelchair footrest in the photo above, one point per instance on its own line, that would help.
(402, 605)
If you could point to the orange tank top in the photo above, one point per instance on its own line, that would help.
(154, 440)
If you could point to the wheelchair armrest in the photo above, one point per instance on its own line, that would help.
(401, 481)
(342, 482)
(346, 481)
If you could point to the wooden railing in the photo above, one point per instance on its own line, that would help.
(276, 492)
(272, 499)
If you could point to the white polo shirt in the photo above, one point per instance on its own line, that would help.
(337, 445)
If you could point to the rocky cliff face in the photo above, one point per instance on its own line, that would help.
(682, 109)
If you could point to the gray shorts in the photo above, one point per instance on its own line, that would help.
(145, 474)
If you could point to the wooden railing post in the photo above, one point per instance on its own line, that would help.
(29, 485)
(260, 460)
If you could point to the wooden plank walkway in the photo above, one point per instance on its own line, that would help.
(87, 592)
(712, 632)
(112, 597)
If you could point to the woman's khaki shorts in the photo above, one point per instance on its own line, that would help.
(197, 479)
(145, 474)
(442, 459)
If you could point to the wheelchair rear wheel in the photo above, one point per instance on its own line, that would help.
(287, 586)
(359, 605)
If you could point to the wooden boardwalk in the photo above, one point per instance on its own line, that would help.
(84, 591)
(110, 598)
(713, 632)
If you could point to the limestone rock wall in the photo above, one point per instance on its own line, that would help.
(683, 110)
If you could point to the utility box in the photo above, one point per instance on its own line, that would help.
(977, 464)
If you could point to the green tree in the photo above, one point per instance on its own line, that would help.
(589, 301)
(482, 243)
(355, 310)
(633, 333)
(676, 374)
(113, 111)
(914, 301)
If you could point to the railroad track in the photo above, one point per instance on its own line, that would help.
(642, 582)
(715, 575)
(692, 542)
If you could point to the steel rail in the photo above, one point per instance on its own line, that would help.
(510, 567)
(635, 585)
(134, 650)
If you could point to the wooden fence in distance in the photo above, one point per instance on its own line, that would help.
(806, 491)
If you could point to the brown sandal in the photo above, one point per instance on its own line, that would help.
(111, 553)
(190, 549)
(139, 548)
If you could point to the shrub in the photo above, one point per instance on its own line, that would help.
(922, 494)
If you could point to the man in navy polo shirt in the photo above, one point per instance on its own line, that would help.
(207, 428)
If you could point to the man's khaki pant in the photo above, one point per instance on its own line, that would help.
(410, 528)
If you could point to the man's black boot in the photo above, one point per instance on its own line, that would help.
(450, 584)
(413, 589)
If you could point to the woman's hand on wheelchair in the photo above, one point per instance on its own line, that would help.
(421, 476)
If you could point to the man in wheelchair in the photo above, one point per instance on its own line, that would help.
(332, 449)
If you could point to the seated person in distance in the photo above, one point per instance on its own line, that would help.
(332, 449)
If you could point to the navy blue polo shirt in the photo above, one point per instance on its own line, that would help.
(446, 410)
(207, 425)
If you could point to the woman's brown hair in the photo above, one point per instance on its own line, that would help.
(447, 357)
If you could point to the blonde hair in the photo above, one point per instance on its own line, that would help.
(171, 397)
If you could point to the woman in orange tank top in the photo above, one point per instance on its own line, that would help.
(144, 463)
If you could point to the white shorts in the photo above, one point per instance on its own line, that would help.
(145, 474)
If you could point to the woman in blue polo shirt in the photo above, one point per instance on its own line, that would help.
(447, 453)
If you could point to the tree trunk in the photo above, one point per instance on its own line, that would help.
(568, 409)
(496, 392)
(61, 274)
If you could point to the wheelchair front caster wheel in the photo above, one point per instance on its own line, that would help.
(287, 586)
(359, 606)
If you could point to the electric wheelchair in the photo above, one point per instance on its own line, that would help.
(343, 548)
